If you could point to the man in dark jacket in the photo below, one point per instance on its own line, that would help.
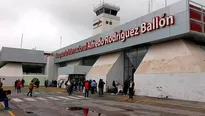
(131, 89)
(4, 98)
(22, 82)
(101, 87)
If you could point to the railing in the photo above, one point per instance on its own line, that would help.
(106, 4)
(197, 17)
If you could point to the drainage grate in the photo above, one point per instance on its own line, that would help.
(75, 108)
(29, 112)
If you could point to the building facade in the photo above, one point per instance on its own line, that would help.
(161, 50)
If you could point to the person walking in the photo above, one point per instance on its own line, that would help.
(31, 87)
(125, 87)
(86, 89)
(22, 82)
(131, 89)
(46, 83)
(115, 87)
(19, 86)
(93, 86)
(4, 98)
(101, 86)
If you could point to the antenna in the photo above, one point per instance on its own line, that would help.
(60, 41)
(165, 2)
(149, 10)
(21, 39)
(150, 5)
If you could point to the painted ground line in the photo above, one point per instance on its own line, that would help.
(160, 102)
(53, 98)
(16, 100)
(40, 98)
(36, 93)
(64, 98)
(29, 99)
(82, 97)
(73, 97)
(10, 112)
(144, 100)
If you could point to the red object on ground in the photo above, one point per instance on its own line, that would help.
(85, 110)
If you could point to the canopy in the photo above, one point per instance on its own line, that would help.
(62, 77)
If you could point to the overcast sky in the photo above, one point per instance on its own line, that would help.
(43, 21)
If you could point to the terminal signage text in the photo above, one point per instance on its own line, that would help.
(157, 23)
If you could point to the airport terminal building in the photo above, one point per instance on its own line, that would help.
(164, 49)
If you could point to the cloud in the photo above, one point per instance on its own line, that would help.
(44, 21)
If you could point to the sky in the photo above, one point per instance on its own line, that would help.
(43, 22)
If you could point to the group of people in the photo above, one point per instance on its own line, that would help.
(18, 84)
(86, 86)
(129, 87)
(92, 86)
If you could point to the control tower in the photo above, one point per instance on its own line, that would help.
(106, 17)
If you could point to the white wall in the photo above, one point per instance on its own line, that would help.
(103, 26)
(106, 27)
(50, 68)
(106, 68)
(9, 81)
(116, 72)
(177, 66)
(12, 70)
(184, 86)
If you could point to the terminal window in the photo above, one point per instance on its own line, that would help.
(132, 60)
(90, 61)
(35, 69)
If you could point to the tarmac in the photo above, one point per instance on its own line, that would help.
(138, 100)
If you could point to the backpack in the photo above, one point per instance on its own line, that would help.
(19, 84)
(66, 83)
(31, 86)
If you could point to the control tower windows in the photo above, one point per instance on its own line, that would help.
(106, 11)
(113, 12)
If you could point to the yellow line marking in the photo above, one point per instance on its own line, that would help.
(144, 100)
(10, 112)
(2, 104)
